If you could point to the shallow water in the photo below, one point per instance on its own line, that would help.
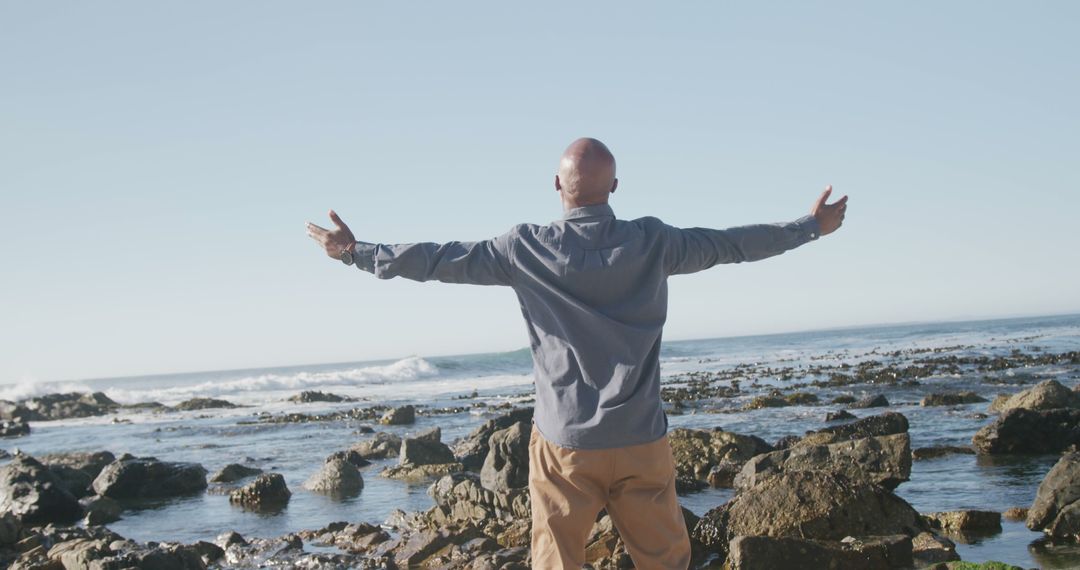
(217, 437)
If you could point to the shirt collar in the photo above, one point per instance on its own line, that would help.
(594, 210)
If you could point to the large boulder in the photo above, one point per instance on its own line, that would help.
(876, 401)
(267, 492)
(460, 497)
(337, 477)
(34, 495)
(60, 406)
(399, 416)
(234, 472)
(203, 404)
(380, 446)
(772, 553)
(17, 427)
(77, 470)
(951, 399)
(1020, 430)
(884, 460)
(808, 504)
(713, 455)
(889, 423)
(424, 451)
(472, 451)
(1046, 395)
(1056, 510)
(507, 463)
(146, 477)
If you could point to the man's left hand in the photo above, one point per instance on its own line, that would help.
(333, 241)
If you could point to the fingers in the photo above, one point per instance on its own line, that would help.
(337, 221)
(316, 233)
(841, 203)
(824, 196)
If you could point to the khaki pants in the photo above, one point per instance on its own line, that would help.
(636, 484)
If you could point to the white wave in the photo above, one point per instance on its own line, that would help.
(269, 387)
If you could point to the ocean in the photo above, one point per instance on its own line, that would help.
(217, 437)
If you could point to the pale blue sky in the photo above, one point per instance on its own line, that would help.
(158, 162)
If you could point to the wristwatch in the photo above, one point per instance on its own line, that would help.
(347, 254)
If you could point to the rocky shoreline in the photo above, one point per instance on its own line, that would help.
(825, 498)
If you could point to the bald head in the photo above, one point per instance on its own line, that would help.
(586, 173)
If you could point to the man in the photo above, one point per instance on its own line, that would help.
(593, 291)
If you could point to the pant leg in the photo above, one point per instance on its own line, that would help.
(567, 489)
(645, 509)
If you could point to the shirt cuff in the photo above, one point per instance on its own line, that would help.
(808, 228)
(364, 256)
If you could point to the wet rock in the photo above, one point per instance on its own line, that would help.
(933, 452)
(59, 407)
(227, 539)
(868, 553)
(424, 451)
(998, 403)
(759, 402)
(698, 452)
(801, 399)
(507, 463)
(34, 495)
(840, 415)
(844, 399)
(203, 404)
(358, 537)
(399, 416)
(10, 529)
(461, 498)
(980, 521)
(100, 510)
(419, 473)
(472, 451)
(929, 548)
(133, 477)
(80, 553)
(381, 446)
(14, 428)
(76, 471)
(808, 504)
(884, 460)
(1056, 510)
(1015, 514)
(266, 492)
(338, 478)
(878, 401)
(310, 396)
(1030, 431)
(1046, 395)
(889, 423)
(234, 472)
(951, 399)
(351, 456)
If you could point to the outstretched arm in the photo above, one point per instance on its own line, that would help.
(485, 262)
(695, 249)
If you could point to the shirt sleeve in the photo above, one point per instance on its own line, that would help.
(485, 262)
(695, 249)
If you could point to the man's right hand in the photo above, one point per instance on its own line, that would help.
(333, 241)
(829, 216)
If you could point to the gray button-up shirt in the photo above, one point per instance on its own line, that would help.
(593, 291)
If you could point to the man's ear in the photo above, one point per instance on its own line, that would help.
(558, 184)
(614, 185)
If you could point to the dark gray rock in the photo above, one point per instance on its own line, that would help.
(381, 446)
(507, 463)
(424, 452)
(203, 404)
(131, 477)
(1056, 510)
(76, 471)
(234, 472)
(472, 451)
(10, 529)
(889, 423)
(808, 504)
(866, 553)
(59, 407)
(34, 495)
(979, 521)
(338, 478)
(839, 415)
(267, 492)
(936, 451)
(1024, 431)
(14, 428)
(951, 399)
(101, 510)
(310, 396)
(399, 416)
(883, 460)
(878, 401)
(350, 455)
